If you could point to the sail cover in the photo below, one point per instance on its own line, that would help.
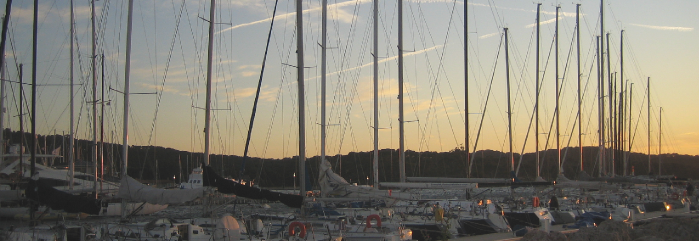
(226, 186)
(330, 182)
(42, 192)
(133, 190)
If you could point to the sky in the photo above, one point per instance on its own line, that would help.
(168, 73)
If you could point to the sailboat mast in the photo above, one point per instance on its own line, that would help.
(600, 108)
(324, 33)
(610, 96)
(302, 112)
(621, 109)
(101, 150)
(127, 76)
(71, 157)
(33, 114)
(3, 41)
(577, 36)
(626, 159)
(376, 93)
(209, 64)
(648, 88)
(509, 103)
(558, 94)
(401, 121)
(538, 60)
(621, 61)
(603, 155)
(94, 99)
(21, 118)
(660, 141)
(467, 137)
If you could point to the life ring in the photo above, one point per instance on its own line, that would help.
(374, 217)
(675, 196)
(292, 229)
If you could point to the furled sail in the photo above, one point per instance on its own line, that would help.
(133, 190)
(212, 179)
(330, 182)
(334, 185)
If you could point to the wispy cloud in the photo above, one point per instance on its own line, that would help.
(248, 73)
(160, 88)
(488, 35)
(681, 29)
(553, 20)
(287, 15)
(381, 61)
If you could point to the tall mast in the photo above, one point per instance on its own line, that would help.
(33, 114)
(324, 30)
(600, 108)
(467, 137)
(626, 159)
(127, 93)
(538, 60)
(648, 87)
(376, 93)
(302, 112)
(577, 36)
(603, 156)
(209, 63)
(401, 121)
(101, 147)
(621, 109)
(3, 41)
(558, 94)
(71, 157)
(509, 103)
(21, 117)
(660, 141)
(610, 96)
(621, 61)
(94, 99)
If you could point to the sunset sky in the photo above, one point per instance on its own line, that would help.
(169, 58)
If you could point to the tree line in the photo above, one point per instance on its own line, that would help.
(167, 165)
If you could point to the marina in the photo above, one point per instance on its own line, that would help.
(362, 171)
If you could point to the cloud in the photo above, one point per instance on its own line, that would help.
(165, 89)
(380, 61)
(342, 16)
(248, 73)
(488, 35)
(553, 20)
(266, 93)
(681, 29)
(250, 66)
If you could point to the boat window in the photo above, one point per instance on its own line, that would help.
(195, 232)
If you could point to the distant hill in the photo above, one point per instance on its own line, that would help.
(356, 167)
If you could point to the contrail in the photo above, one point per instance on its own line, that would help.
(286, 15)
(553, 20)
(380, 61)
(350, 3)
(681, 29)
(488, 35)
